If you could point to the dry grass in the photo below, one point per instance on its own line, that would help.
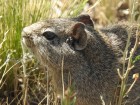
(22, 79)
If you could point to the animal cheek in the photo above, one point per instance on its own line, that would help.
(55, 42)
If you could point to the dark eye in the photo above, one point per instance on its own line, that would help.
(49, 35)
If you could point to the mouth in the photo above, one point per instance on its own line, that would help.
(27, 40)
(23, 39)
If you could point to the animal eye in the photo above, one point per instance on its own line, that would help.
(49, 35)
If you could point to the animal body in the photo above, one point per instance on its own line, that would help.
(91, 57)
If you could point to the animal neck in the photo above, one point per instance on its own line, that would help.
(98, 53)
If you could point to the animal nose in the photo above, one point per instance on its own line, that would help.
(23, 33)
(26, 31)
(26, 38)
(26, 35)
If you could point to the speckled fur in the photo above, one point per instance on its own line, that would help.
(93, 69)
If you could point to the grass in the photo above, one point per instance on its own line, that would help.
(22, 80)
(15, 80)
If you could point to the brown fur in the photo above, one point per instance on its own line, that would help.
(90, 56)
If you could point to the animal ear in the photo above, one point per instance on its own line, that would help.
(77, 39)
(85, 19)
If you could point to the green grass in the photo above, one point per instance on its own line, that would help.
(14, 15)
(18, 86)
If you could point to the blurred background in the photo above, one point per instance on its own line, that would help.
(26, 82)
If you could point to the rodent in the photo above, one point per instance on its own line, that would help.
(91, 56)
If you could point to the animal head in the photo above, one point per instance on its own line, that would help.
(52, 38)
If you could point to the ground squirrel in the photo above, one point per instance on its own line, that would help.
(91, 56)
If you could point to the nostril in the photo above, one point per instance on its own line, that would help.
(26, 34)
(27, 37)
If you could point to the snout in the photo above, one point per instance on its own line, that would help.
(27, 38)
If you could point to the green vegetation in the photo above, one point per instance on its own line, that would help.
(19, 87)
(16, 14)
